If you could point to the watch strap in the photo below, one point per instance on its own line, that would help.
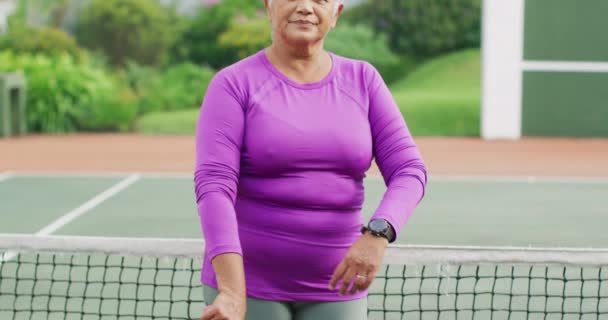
(388, 235)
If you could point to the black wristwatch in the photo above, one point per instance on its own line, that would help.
(380, 228)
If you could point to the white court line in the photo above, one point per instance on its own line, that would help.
(87, 206)
(5, 175)
(81, 210)
(565, 66)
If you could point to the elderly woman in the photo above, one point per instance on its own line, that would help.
(283, 142)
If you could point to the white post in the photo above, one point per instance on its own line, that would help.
(6, 9)
(502, 56)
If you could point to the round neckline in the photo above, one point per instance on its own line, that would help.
(309, 85)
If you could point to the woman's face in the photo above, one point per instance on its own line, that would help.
(303, 21)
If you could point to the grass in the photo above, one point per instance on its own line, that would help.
(440, 115)
(168, 122)
(439, 98)
(442, 97)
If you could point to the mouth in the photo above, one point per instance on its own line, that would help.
(303, 22)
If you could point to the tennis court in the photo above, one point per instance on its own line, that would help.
(515, 211)
(457, 211)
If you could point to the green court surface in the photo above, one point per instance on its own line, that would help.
(548, 212)
(28, 204)
(455, 211)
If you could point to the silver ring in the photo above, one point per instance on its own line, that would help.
(361, 277)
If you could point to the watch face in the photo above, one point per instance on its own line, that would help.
(378, 225)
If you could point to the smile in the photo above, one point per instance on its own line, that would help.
(303, 23)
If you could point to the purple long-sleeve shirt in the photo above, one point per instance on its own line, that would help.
(280, 168)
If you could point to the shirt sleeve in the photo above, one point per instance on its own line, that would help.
(396, 155)
(219, 136)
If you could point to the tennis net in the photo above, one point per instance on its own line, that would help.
(60, 277)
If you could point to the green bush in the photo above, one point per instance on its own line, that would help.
(371, 47)
(199, 42)
(396, 72)
(425, 27)
(246, 36)
(64, 96)
(46, 12)
(180, 86)
(358, 14)
(138, 30)
(110, 113)
(48, 41)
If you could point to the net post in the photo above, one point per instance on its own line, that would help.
(13, 120)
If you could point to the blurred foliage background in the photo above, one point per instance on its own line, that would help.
(144, 65)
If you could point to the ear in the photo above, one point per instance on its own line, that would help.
(337, 16)
(340, 9)
(268, 11)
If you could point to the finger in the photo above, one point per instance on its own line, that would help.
(225, 312)
(371, 275)
(346, 281)
(209, 313)
(360, 278)
(338, 273)
(354, 288)
(359, 282)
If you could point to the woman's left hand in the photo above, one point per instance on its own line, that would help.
(360, 264)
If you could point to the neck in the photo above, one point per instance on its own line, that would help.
(303, 58)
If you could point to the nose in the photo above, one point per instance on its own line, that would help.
(304, 7)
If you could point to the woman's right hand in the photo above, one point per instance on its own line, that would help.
(226, 306)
